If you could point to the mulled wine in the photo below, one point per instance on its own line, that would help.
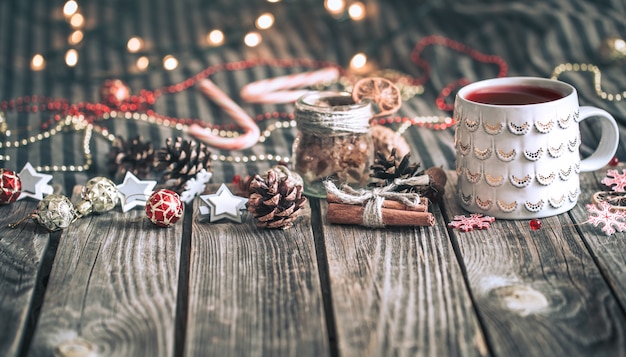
(513, 95)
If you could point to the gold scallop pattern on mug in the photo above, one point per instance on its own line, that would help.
(545, 179)
(493, 129)
(472, 125)
(459, 169)
(544, 127)
(505, 156)
(507, 207)
(556, 201)
(577, 167)
(483, 154)
(566, 174)
(494, 181)
(577, 115)
(465, 199)
(464, 149)
(573, 195)
(521, 182)
(519, 129)
(533, 156)
(572, 145)
(556, 151)
(564, 123)
(473, 177)
(534, 207)
(483, 204)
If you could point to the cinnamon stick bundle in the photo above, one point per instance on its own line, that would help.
(422, 207)
(340, 213)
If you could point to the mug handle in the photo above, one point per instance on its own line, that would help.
(608, 141)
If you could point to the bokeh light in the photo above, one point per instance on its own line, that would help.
(170, 62)
(252, 39)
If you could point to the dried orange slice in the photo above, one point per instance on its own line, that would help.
(381, 92)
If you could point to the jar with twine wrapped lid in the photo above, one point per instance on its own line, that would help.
(333, 141)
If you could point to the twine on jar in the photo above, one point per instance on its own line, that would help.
(373, 199)
(316, 114)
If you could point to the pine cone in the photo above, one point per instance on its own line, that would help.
(275, 202)
(182, 160)
(135, 156)
(387, 169)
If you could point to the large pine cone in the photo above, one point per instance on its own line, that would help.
(182, 160)
(275, 202)
(135, 156)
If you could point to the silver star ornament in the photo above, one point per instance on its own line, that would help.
(34, 184)
(134, 192)
(223, 205)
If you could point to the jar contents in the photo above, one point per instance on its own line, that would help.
(333, 141)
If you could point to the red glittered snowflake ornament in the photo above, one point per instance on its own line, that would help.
(612, 219)
(475, 220)
(616, 181)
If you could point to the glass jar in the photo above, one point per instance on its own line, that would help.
(333, 141)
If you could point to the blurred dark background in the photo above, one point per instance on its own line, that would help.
(172, 44)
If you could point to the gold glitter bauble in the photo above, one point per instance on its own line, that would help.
(99, 195)
(55, 212)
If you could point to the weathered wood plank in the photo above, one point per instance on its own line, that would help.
(608, 251)
(112, 288)
(22, 252)
(538, 293)
(399, 291)
(254, 292)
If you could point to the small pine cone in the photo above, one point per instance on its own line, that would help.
(386, 169)
(135, 156)
(182, 160)
(274, 201)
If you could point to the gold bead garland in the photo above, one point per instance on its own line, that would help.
(76, 123)
(597, 79)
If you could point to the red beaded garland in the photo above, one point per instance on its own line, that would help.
(535, 224)
(10, 186)
(614, 161)
(164, 208)
(456, 46)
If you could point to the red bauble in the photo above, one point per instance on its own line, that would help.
(10, 186)
(614, 161)
(114, 92)
(164, 208)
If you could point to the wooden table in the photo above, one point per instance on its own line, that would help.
(115, 285)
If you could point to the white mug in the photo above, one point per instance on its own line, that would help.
(518, 157)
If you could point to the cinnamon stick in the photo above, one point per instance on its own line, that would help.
(391, 204)
(340, 213)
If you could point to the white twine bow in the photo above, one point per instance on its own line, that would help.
(373, 199)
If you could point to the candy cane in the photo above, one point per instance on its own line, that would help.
(272, 90)
(251, 130)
